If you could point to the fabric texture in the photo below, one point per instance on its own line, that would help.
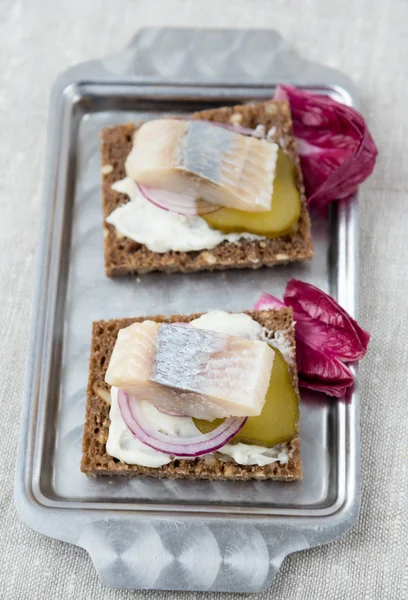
(367, 40)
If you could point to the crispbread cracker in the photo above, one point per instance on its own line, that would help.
(124, 256)
(95, 460)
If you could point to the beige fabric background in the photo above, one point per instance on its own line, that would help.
(368, 40)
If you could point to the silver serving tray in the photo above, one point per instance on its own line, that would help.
(163, 534)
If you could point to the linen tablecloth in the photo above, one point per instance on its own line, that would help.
(367, 39)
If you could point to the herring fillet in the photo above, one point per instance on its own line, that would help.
(204, 161)
(194, 372)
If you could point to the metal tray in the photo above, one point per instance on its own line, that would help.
(163, 534)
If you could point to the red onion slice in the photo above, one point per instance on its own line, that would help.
(144, 431)
(182, 204)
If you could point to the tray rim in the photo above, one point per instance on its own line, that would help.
(266, 511)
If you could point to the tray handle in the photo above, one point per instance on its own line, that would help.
(174, 555)
(179, 54)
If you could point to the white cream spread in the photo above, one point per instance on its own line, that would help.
(281, 342)
(237, 324)
(124, 446)
(248, 454)
(160, 230)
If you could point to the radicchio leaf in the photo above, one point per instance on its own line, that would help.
(322, 373)
(326, 337)
(267, 301)
(336, 150)
(323, 324)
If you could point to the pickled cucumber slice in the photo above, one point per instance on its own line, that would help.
(277, 422)
(282, 217)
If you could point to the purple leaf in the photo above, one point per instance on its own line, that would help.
(323, 324)
(336, 150)
(267, 301)
(320, 372)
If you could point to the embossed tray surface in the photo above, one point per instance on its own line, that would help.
(163, 534)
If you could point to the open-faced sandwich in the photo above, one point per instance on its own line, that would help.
(210, 396)
(221, 189)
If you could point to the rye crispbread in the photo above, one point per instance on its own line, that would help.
(124, 256)
(95, 460)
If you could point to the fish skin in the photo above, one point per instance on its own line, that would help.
(203, 161)
(195, 372)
